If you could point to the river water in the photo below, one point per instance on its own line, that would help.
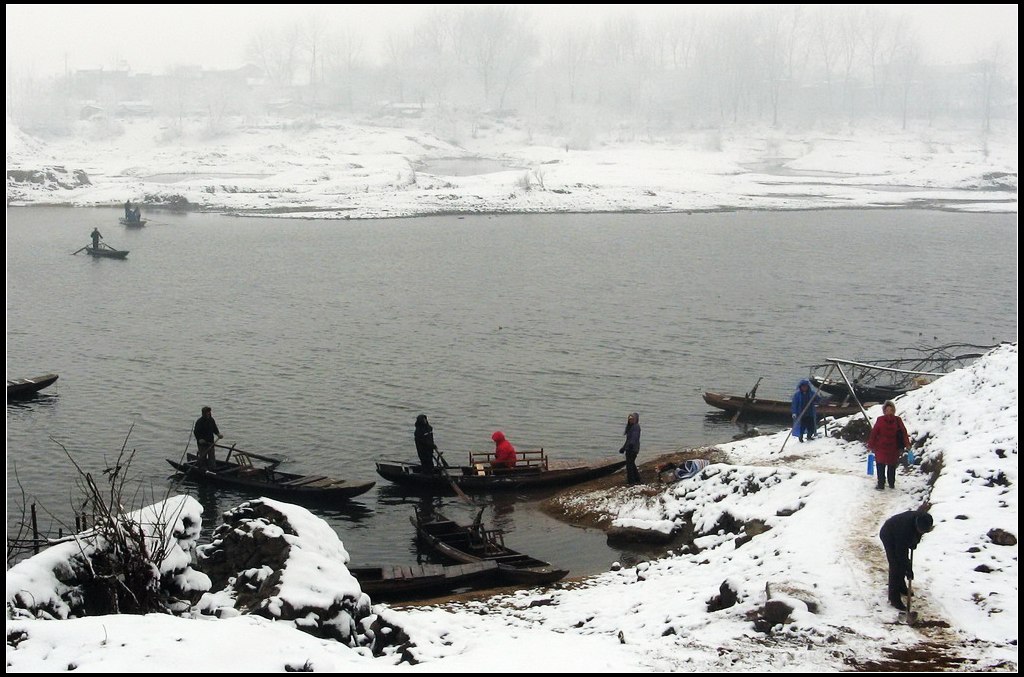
(321, 341)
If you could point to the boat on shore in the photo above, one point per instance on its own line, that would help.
(478, 476)
(238, 471)
(881, 380)
(396, 582)
(775, 409)
(20, 388)
(469, 544)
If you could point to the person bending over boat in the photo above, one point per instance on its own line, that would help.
(504, 452)
(205, 430)
(96, 237)
(632, 448)
(423, 435)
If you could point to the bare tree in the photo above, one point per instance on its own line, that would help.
(905, 66)
(990, 70)
(496, 41)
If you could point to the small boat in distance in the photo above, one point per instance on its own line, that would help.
(531, 472)
(18, 388)
(103, 250)
(473, 543)
(132, 223)
(238, 471)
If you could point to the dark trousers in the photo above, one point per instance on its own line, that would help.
(808, 427)
(205, 457)
(632, 473)
(426, 459)
(886, 471)
(897, 574)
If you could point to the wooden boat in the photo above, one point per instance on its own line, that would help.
(131, 223)
(27, 387)
(531, 472)
(106, 252)
(880, 380)
(783, 409)
(475, 544)
(238, 471)
(400, 582)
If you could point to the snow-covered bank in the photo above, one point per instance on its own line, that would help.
(346, 169)
(815, 548)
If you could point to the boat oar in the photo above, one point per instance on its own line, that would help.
(80, 250)
(443, 465)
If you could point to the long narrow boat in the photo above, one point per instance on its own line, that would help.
(782, 409)
(475, 544)
(107, 252)
(401, 582)
(239, 472)
(531, 472)
(27, 387)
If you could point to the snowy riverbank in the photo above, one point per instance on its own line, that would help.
(815, 549)
(332, 168)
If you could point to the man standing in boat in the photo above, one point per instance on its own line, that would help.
(632, 448)
(96, 237)
(205, 430)
(423, 435)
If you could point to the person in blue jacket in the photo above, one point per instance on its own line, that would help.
(805, 411)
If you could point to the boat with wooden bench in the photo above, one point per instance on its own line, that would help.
(532, 471)
(396, 582)
(238, 470)
(474, 543)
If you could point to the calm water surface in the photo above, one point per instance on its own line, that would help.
(321, 341)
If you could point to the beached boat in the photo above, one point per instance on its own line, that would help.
(401, 582)
(880, 380)
(531, 472)
(780, 409)
(132, 223)
(18, 388)
(473, 543)
(238, 471)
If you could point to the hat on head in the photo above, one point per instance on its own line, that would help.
(924, 522)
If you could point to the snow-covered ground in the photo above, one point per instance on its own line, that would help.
(335, 168)
(816, 548)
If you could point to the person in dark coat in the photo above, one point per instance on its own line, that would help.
(632, 448)
(204, 431)
(888, 439)
(128, 210)
(96, 237)
(900, 534)
(423, 435)
(805, 411)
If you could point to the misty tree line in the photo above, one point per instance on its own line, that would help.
(638, 73)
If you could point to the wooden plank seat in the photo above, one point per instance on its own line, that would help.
(528, 461)
(302, 481)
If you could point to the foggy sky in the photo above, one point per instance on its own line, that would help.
(45, 40)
